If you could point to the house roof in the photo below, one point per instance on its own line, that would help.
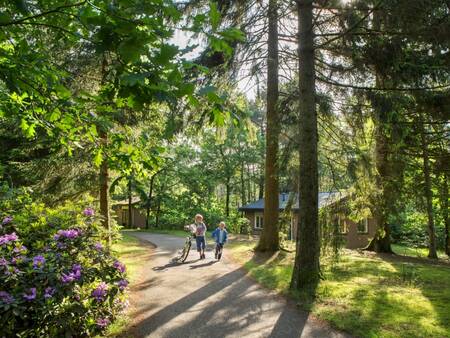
(325, 198)
(134, 200)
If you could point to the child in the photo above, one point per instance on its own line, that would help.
(199, 229)
(220, 235)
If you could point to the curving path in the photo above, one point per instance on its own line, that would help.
(206, 298)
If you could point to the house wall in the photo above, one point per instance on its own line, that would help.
(352, 238)
(357, 240)
(138, 218)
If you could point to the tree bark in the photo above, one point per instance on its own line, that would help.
(149, 201)
(104, 190)
(130, 197)
(432, 251)
(158, 210)
(306, 272)
(104, 171)
(381, 242)
(444, 208)
(269, 240)
(227, 197)
(243, 197)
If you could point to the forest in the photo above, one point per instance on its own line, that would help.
(205, 107)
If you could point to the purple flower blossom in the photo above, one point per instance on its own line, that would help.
(49, 292)
(88, 212)
(102, 322)
(7, 219)
(5, 297)
(98, 246)
(119, 266)
(100, 292)
(18, 259)
(69, 234)
(38, 261)
(30, 295)
(122, 284)
(5, 239)
(3, 262)
(75, 274)
(20, 248)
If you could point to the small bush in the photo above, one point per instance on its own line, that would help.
(56, 277)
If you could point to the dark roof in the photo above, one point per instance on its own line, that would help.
(325, 198)
(134, 200)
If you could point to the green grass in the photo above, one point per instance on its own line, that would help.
(178, 233)
(414, 252)
(364, 294)
(129, 251)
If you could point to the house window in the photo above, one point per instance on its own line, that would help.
(363, 226)
(259, 221)
(342, 225)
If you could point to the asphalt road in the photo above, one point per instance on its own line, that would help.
(206, 298)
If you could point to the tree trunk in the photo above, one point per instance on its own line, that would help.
(130, 211)
(149, 201)
(306, 266)
(432, 252)
(104, 173)
(269, 240)
(227, 198)
(158, 210)
(444, 208)
(243, 199)
(381, 242)
(104, 190)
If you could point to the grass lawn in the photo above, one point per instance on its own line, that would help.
(364, 294)
(415, 252)
(129, 251)
(178, 233)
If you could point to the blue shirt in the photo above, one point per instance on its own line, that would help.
(220, 235)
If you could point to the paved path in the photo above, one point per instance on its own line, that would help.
(206, 298)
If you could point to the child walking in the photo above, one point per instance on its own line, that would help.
(199, 229)
(220, 235)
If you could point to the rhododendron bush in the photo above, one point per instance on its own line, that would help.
(57, 278)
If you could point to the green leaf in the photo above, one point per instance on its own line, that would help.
(98, 157)
(166, 54)
(214, 15)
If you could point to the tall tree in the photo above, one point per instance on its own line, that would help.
(306, 266)
(269, 240)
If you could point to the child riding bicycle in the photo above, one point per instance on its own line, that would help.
(220, 235)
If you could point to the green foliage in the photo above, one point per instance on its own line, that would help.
(56, 277)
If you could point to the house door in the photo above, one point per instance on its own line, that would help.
(124, 217)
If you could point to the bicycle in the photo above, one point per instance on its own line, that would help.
(184, 253)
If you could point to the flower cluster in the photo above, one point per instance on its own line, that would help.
(119, 266)
(37, 276)
(8, 238)
(89, 212)
(38, 262)
(100, 292)
(73, 275)
(6, 298)
(7, 220)
(69, 234)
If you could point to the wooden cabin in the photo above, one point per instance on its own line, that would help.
(354, 234)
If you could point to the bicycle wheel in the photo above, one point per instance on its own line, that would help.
(185, 252)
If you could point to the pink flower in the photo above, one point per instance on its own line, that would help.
(89, 212)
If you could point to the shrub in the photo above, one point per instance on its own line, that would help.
(57, 279)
